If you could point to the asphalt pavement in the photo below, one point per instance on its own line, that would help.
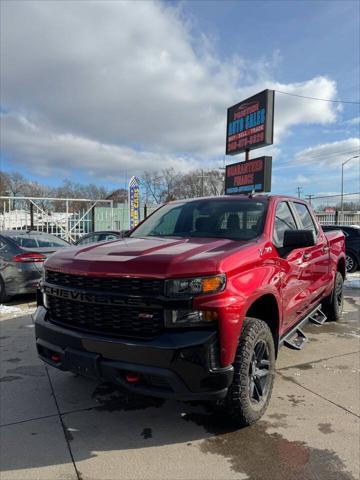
(57, 426)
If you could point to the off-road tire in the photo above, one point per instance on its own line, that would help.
(333, 306)
(238, 404)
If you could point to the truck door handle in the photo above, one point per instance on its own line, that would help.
(326, 249)
(306, 256)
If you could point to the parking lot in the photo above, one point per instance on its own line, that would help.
(58, 426)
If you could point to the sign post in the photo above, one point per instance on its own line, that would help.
(134, 202)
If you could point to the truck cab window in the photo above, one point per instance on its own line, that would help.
(305, 217)
(284, 220)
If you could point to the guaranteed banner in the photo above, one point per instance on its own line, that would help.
(246, 177)
(134, 202)
(250, 123)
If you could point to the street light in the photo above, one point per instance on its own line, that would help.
(342, 182)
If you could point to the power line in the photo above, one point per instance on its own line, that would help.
(315, 157)
(315, 197)
(319, 99)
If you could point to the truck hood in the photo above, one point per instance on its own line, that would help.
(156, 257)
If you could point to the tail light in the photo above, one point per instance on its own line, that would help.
(29, 257)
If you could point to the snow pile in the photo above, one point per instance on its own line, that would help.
(352, 280)
(14, 311)
(6, 309)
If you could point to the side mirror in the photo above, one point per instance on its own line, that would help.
(299, 238)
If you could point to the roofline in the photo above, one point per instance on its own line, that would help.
(242, 196)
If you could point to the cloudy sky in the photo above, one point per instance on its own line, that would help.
(102, 90)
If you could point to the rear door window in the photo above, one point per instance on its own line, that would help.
(89, 239)
(25, 241)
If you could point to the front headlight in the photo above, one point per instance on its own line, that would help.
(195, 286)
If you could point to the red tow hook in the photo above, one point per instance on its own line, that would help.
(132, 378)
(55, 357)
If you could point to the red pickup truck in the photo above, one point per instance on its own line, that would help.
(196, 301)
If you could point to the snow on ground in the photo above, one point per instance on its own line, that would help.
(9, 309)
(353, 280)
(15, 311)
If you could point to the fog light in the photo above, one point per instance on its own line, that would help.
(189, 318)
(209, 316)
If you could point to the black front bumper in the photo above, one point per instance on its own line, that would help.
(181, 365)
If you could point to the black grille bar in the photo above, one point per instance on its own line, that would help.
(105, 320)
(121, 285)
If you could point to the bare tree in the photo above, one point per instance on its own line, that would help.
(154, 186)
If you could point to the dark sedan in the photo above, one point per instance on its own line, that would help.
(352, 244)
(104, 236)
(22, 254)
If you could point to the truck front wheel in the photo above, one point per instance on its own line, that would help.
(254, 369)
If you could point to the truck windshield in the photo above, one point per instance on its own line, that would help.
(234, 219)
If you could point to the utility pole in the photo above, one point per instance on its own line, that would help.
(342, 184)
(299, 191)
(202, 176)
(309, 197)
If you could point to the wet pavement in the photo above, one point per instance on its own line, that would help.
(55, 425)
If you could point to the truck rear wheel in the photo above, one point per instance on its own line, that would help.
(254, 369)
(333, 306)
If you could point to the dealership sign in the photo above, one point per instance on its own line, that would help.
(250, 123)
(249, 176)
(134, 202)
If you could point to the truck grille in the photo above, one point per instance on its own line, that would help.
(106, 320)
(127, 286)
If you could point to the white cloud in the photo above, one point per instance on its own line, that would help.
(51, 153)
(291, 111)
(353, 122)
(301, 179)
(330, 154)
(124, 84)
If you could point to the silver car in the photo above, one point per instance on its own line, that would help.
(22, 254)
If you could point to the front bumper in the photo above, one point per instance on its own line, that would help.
(181, 365)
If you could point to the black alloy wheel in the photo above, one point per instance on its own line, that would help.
(259, 372)
(351, 264)
(339, 293)
(333, 305)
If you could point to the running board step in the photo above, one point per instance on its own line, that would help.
(298, 341)
(318, 317)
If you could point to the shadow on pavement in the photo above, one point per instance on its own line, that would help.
(121, 422)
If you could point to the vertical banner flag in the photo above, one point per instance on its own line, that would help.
(134, 202)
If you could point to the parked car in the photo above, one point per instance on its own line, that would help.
(104, 236)
(352, 244)
(22, 255)
(196, 301)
